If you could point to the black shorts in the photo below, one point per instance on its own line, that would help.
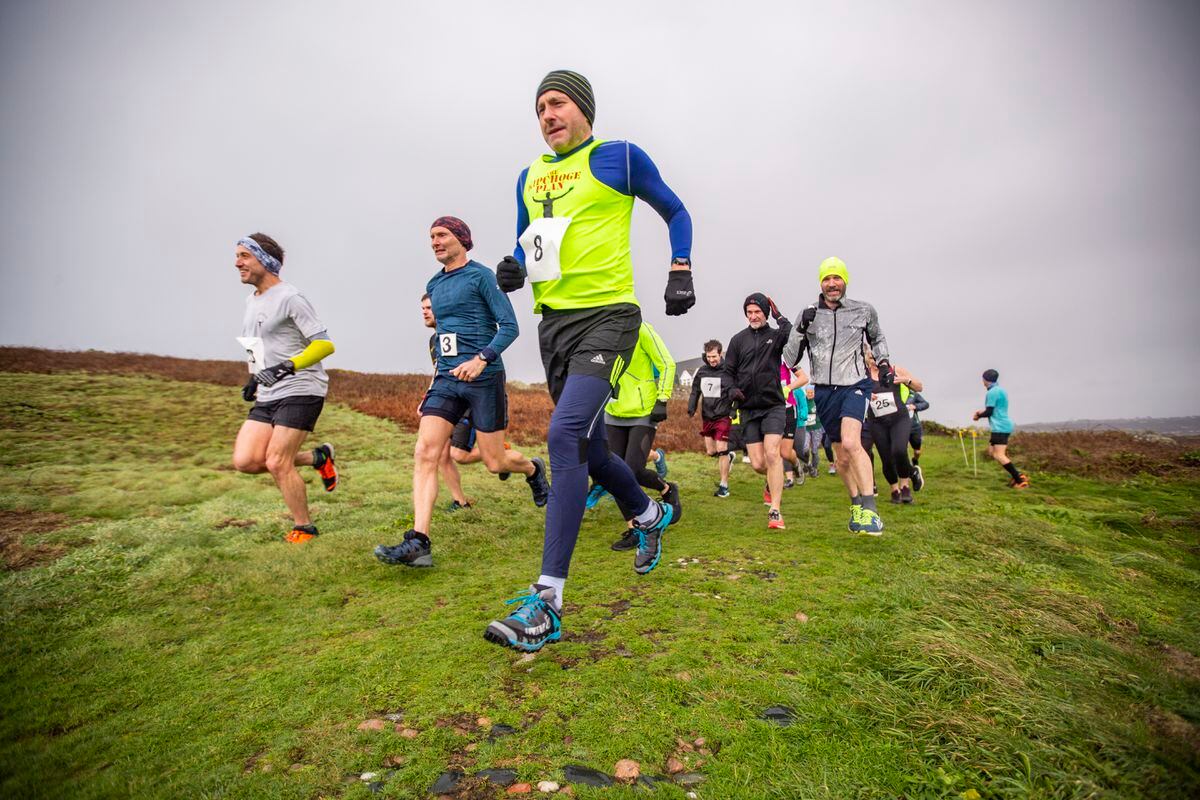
(759, 423)
(588, 341)
(789, 424)
(999, 438)
(484, 399)
(463, 437)
(915, 435)
(299, 412)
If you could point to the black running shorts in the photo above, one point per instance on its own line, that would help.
(999, 438)
(299, 412)
(789, 424)
(759, 423)
(587, 341)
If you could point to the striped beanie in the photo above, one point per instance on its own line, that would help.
(574, 86)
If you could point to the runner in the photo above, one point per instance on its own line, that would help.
(916, 403)
(281, 329)
(814, 434)
(574, 209)
(890, 427)
(790, 385)
(832, 329)
(752, 365)
(475, 323)
(446, 464)
(711, 390)
(632, 419)
(996, 411)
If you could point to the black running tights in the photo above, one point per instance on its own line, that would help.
(632, 444)
(891, 440)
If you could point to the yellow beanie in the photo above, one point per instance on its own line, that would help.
(833, 266)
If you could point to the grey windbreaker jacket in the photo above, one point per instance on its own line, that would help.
(834, 341)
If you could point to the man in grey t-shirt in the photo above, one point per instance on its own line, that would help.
(284, 343)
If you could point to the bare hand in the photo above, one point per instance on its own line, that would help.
(469, 370)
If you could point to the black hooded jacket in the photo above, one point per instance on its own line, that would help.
(752, 363)
(711, 408)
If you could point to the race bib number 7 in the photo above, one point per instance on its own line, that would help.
(883, 404)
(255, 355)
(542, 241)
(447, 344)
(710, 387)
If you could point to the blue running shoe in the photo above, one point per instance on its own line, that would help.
(535, 622)
(595, 496)
(414, 551)
(649, 549)
(660, 464)
(538, 483)
(868, 521)
(855, 525)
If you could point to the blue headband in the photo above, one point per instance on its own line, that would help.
(269, 262)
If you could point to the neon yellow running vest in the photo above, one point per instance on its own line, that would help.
(597, 268)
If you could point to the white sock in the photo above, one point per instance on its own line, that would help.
(649, 516)
(558, 584)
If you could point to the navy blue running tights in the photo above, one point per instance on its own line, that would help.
(579, 448)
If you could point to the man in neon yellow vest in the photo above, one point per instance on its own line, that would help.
(574, 208)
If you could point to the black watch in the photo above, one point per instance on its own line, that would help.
(681, 262)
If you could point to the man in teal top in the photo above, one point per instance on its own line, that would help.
(996, 411)
(574, 209)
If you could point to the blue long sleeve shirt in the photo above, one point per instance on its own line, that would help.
(626, 168)
(468, 304)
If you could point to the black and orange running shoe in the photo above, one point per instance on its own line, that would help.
(301, 534)
(1020, 483)
(328, 469)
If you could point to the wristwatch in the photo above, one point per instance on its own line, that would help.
(681, 262)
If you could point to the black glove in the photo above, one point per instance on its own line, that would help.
(807, 317)
(510, 274)
(660, 411)
(680, 295)
(250, 389)
(887, 375)
(737, 397)
(273, 375)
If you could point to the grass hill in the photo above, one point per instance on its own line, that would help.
(159, 639)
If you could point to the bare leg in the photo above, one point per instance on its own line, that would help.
(281, 463)
(432, 436)
(853, 464)
(774, 468)
(250, 449)
(497, 459)
(450, 475)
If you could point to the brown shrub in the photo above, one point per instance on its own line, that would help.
(1108, 454)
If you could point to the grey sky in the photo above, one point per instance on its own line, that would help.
(1013, 185)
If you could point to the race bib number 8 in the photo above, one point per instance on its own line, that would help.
(447, 344)
(883, 404)
(710, 387)
(542, 241)
(255, 355)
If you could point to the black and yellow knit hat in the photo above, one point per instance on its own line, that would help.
(574, 86)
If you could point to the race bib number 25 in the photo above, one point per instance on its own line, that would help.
(883, 404)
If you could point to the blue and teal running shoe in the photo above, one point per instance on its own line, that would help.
(594, 496)
(660, 464)
(534, 624)
(649, 549)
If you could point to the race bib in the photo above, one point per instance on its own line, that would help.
(710, 387)
(812, 419)
(447, 344)
(883, 404)
(255, 355)
(541, 242)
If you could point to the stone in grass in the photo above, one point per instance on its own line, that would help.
(547, 787)
(446, 782)
(500, 729)
(801, 617)
(500, 777)
(627, 770)
(675, 766)
(689, 779)
(520, 788)
(372, 725)
(573, 773)
(779, 715)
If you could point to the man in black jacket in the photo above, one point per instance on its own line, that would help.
(712, 384)
(752, 364)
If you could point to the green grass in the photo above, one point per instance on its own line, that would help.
(993, 643)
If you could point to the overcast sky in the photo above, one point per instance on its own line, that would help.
(1012, 185)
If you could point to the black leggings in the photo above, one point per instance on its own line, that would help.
(891, 440)
(632, 444)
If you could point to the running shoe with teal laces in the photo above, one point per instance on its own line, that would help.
(534, 624)
(660, 463)
(414, 551)
(649, 549)
(595, 496)
(538, 483)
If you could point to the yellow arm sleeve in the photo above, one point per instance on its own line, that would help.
(317, 350)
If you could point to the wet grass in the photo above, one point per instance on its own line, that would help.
(167, 643)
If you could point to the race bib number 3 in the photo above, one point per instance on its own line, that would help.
(447, 344)
(710, 387)
(255, 356)
(883, 404)
(542, 241)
